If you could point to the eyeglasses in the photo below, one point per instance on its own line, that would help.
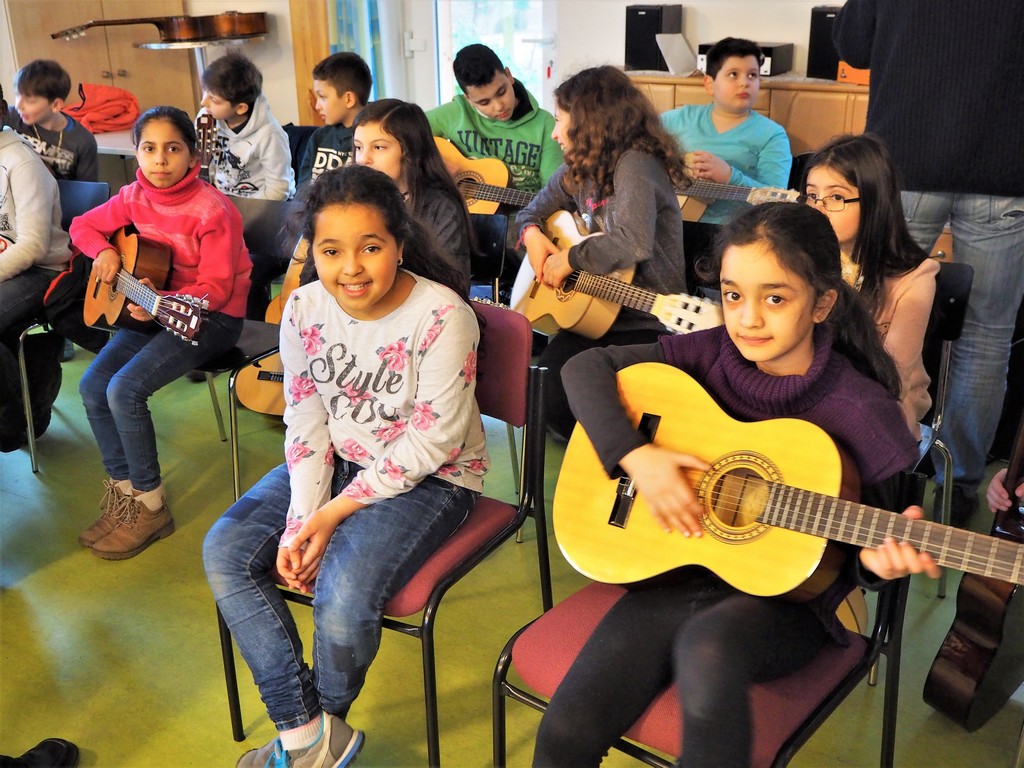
(831, 203)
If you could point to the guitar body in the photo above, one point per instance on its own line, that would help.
(291, 281)
(469, 173)
(550, 310)
(260, 386)
(608, 544)
(105, 307)
(981, 662)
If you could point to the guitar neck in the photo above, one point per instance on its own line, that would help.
(612, 290)
(137, 293)
(863, 526)
(710, 190)
(517, 198)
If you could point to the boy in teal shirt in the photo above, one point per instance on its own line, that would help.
(726, 141)
(495, 116)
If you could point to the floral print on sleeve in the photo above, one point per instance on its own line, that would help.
(296, 452)
(435, 328)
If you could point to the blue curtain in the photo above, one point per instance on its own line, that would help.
(357, 28)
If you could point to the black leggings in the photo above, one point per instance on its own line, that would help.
(648, 640)
(564, 345)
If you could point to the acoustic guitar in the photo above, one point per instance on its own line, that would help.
(771, 505)
(484, 185)
(106, 306)
(588, 304)
(206, 138)
(981, 662)
(184, 29)
(259, 386)
(483, 181)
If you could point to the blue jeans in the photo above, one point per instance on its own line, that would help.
(988, 234)
(21, 297)
(117, 386)
(370, 556)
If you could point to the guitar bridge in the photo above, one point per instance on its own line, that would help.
(625, 494)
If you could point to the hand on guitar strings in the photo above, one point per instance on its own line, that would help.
(894, 559)
(707, 167)
(659, 474)
(539, 250)
(105, 266)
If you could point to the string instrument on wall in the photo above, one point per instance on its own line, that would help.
(106, 306)
(185, 29)
(981, 662)
(770, 501)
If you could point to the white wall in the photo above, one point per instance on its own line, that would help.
(589, 32)
(592, 32)
(273, 55)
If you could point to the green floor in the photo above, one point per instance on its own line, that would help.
(123, 659)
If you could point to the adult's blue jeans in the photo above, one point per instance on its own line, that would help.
(370, 556)
(988, 234)
(117, 386)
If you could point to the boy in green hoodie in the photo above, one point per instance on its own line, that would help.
(495, 116)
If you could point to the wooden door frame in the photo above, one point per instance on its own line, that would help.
(310, 45)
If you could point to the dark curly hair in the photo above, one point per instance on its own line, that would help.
(608, 117)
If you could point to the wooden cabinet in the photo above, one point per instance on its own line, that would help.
(811, 111)
(106, 55)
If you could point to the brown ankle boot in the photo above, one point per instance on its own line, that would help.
(138, 527)
(113, 500)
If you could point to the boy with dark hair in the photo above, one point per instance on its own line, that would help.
(342, 84)
(251, 157)
(495, 116)
(726, 141)
(41, 88)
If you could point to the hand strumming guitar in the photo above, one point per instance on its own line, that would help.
(659, 475)
(539, 250)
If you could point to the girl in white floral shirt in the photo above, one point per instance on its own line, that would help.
(384, 458)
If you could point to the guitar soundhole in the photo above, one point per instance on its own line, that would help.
(734, 492)
(468, 183)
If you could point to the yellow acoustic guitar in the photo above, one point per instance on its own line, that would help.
(483, 181)
(770, 506)
(258, 386)
(588, 304)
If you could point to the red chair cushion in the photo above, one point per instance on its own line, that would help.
(544, 652)
(486, 519)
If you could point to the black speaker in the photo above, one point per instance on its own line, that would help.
(822, 58)
(643, 22)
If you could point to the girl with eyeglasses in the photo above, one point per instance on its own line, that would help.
(853, 181)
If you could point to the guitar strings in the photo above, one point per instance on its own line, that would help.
(856, 524)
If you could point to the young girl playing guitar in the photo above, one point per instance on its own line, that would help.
(168, 204)
(796, 343)
(620, 168)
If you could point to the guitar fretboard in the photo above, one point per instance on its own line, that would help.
(863, 526)
(472, 190)
(137, 293)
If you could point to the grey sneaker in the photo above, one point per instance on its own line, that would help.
(337, 747)
(112, 505)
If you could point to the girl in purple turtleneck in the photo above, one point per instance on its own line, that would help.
(796, 343)
(202, 230)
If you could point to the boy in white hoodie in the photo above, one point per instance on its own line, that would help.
(250, 155)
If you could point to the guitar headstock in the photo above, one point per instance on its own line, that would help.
(773, 195)
(182, 315)
(72, 33)
(206, 136)
(681, 313)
